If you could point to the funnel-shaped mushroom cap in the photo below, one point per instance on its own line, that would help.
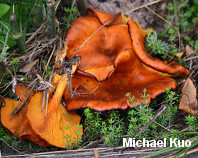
(52, 127)
(114, 54)
(18, 124)
(100, 45)
(99, 53)
(111, 93)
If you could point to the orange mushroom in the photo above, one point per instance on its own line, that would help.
(58, 122)
(113, 56)
(18, 124)
(54, 126)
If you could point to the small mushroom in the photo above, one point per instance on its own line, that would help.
(53, 126)
(18, 124)
(113, 63)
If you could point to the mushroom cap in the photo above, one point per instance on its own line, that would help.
(105, 44)
(100, 45)
(113, 56)
(51, 127)
(55, 124)
(18, 124)
(111, 93)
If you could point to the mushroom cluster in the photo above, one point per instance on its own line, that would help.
(113, 63)
(34, 124)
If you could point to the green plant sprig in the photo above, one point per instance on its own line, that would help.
(158, 47)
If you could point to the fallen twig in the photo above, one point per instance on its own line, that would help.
(35, 33)
(47, 95)
(49, 59)
(162, 108)
(43, 104)
(21, 105)
(191, 58)
(88, 39)
(92, 144)
(10, 146)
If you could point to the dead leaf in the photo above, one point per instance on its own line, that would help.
(189, 50)
(180, 54)
(188, 102)
(28, 67)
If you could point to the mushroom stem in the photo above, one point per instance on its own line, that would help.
(58, 94)
(62, 83)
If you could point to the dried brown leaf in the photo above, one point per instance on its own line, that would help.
(189, 50)
(188, 102)
(28, 67)
(180, 54)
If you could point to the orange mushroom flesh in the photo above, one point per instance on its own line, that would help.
(18, 124)
(113, 56)
(53, 126)
(32, 123)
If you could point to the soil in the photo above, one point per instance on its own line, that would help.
(142, 16)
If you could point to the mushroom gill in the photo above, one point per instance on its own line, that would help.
(18, 124)
(57, 122)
